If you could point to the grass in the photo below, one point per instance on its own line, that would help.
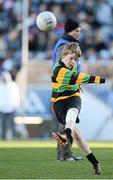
(37, 160)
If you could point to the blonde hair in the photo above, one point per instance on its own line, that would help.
(72, 48)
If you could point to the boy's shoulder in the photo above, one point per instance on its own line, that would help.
(58, 66)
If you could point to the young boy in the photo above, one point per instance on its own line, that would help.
(72, 31)
(67, 102)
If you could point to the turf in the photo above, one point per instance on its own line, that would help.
(37, 160)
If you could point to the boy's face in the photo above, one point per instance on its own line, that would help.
(70, 55)
(69, 60)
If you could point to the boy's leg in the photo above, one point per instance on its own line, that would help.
(71, 129)
(77, 137)
(80, 141)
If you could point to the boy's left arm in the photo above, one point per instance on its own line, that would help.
(83, 78)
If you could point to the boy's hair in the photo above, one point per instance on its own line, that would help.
(71, 48)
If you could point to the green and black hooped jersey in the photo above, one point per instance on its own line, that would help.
(66, 82)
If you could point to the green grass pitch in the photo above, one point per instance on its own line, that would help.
(37, 160)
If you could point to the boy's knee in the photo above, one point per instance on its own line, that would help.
(72, 115)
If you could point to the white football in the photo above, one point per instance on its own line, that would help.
(46, 21)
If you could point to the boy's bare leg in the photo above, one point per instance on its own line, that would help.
(80, 141)
(71, 131)
(78, 138)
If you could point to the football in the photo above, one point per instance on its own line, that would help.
(46, 21)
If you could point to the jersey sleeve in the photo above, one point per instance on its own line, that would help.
(65, 77)
(83, 78)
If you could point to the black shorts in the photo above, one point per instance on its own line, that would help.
(61, 107)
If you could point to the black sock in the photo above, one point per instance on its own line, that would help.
(68, 133)
(92, 158)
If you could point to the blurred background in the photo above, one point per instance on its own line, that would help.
(25, 67)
